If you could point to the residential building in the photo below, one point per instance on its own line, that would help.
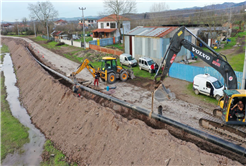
(152, 42)
(107, 27)
(57, 35)
(60, 22)
(90, 22)
(7, 26)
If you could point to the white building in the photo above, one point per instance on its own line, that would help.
(107, 27)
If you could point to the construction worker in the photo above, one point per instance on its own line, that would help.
(152, 67)
(75, 88)
(97, 75)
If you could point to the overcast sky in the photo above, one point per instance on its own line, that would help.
(17, 9)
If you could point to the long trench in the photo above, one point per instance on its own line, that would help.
(203, 140)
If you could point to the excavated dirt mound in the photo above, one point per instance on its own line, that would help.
(88, 133)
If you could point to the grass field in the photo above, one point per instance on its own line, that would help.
(58, 159)
(236, 61)
(119, 46)
(201, 96)
(12, 133)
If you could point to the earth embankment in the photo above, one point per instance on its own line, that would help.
(89, 133)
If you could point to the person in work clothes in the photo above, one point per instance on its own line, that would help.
(97, 75)
(156, 68)
(152, 67)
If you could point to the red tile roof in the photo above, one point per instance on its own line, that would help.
(58, 21)
(104, 30)
(113, 17)
(57, 33)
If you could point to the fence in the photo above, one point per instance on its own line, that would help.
(187, 72)
(48, 38)
(106, 50)
(105, 42)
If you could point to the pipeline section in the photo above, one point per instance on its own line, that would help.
(210, 138)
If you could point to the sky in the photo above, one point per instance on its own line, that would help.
(17, 9)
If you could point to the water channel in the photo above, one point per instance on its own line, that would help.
(33, 149)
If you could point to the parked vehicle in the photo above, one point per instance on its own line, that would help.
(126, 59)
(202, 84)
(75, 37)
(145, 63)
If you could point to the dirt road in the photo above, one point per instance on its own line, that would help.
(91, 134)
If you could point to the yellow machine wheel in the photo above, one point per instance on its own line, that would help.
(123, 76)
(111, 78)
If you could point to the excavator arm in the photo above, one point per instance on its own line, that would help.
(83, 65)
(214, 59)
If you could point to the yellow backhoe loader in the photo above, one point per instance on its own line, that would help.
(109, 70)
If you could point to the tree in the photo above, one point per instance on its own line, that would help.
(43, 12)
(156, 14)
(159, 7)
(119, 7)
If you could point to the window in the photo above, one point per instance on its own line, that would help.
(107, 24)
(217, 84)
(145, 63)
(102, 25)
(139, 61)
(208, 85)
(121, 25)
(125, 59)
(112, 25)
(151, 62)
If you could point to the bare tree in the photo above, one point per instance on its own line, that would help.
(119, 7)
(43, 12)
(159, 7)
(156, 12)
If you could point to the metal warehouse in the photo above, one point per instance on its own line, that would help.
(151, 42)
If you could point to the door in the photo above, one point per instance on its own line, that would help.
(126, 61)
(145, 65)
(207, 88)
(130, 43)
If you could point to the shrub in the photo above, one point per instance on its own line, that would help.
(29, 32)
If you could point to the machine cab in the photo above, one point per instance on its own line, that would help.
(231, 113)
(109, 64)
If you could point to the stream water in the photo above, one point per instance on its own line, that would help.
(33, 149)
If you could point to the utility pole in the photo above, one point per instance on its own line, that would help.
(83, 23)
(228, 25)
(47, 29)
(35, 29)
(244, 69)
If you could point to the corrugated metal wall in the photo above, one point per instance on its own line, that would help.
(187, 73)
(183, 50)
(147, 47)
(127, 46)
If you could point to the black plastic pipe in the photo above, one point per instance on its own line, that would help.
(210, 138)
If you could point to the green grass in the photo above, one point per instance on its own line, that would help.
(119, 46)
(58, 159)
(50, 45)
(17, 35)
(13, 134)
(236, 61)
(4, 49)
(87, 39)
(201, 96)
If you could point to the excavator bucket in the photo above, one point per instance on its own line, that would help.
(131, 74)
(162, 94)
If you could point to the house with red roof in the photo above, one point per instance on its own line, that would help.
(108, 27)
(60, 22)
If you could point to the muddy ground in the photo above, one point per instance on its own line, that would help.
(89, 133)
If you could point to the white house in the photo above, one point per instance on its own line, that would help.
(107, 27)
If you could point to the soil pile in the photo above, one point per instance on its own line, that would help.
(89, 133)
